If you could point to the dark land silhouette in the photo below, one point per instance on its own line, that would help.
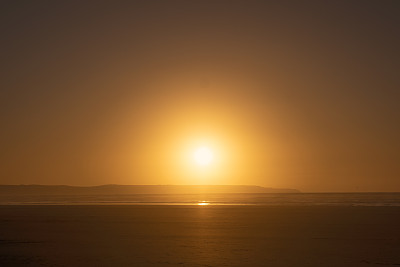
(135, 189)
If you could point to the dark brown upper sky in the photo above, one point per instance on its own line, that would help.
(300, 94)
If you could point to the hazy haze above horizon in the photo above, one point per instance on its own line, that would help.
(287, 94)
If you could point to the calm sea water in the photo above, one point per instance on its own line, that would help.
(298, 199)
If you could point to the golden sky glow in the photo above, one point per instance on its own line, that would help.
(127, 92)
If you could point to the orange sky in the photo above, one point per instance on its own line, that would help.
(298, 95)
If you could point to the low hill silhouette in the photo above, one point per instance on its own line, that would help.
(135, 189)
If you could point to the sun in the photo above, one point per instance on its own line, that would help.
(203, 156)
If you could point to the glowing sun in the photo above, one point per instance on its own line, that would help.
(203, 156)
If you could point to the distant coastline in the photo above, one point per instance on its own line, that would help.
(136, 189)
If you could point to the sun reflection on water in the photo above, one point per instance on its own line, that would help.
(203, 203)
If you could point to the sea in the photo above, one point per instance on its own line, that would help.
(260, 199)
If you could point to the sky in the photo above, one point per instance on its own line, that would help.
(291, 94)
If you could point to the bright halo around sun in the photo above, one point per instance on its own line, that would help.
(203, 156)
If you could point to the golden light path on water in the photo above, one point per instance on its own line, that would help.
(203, 203)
